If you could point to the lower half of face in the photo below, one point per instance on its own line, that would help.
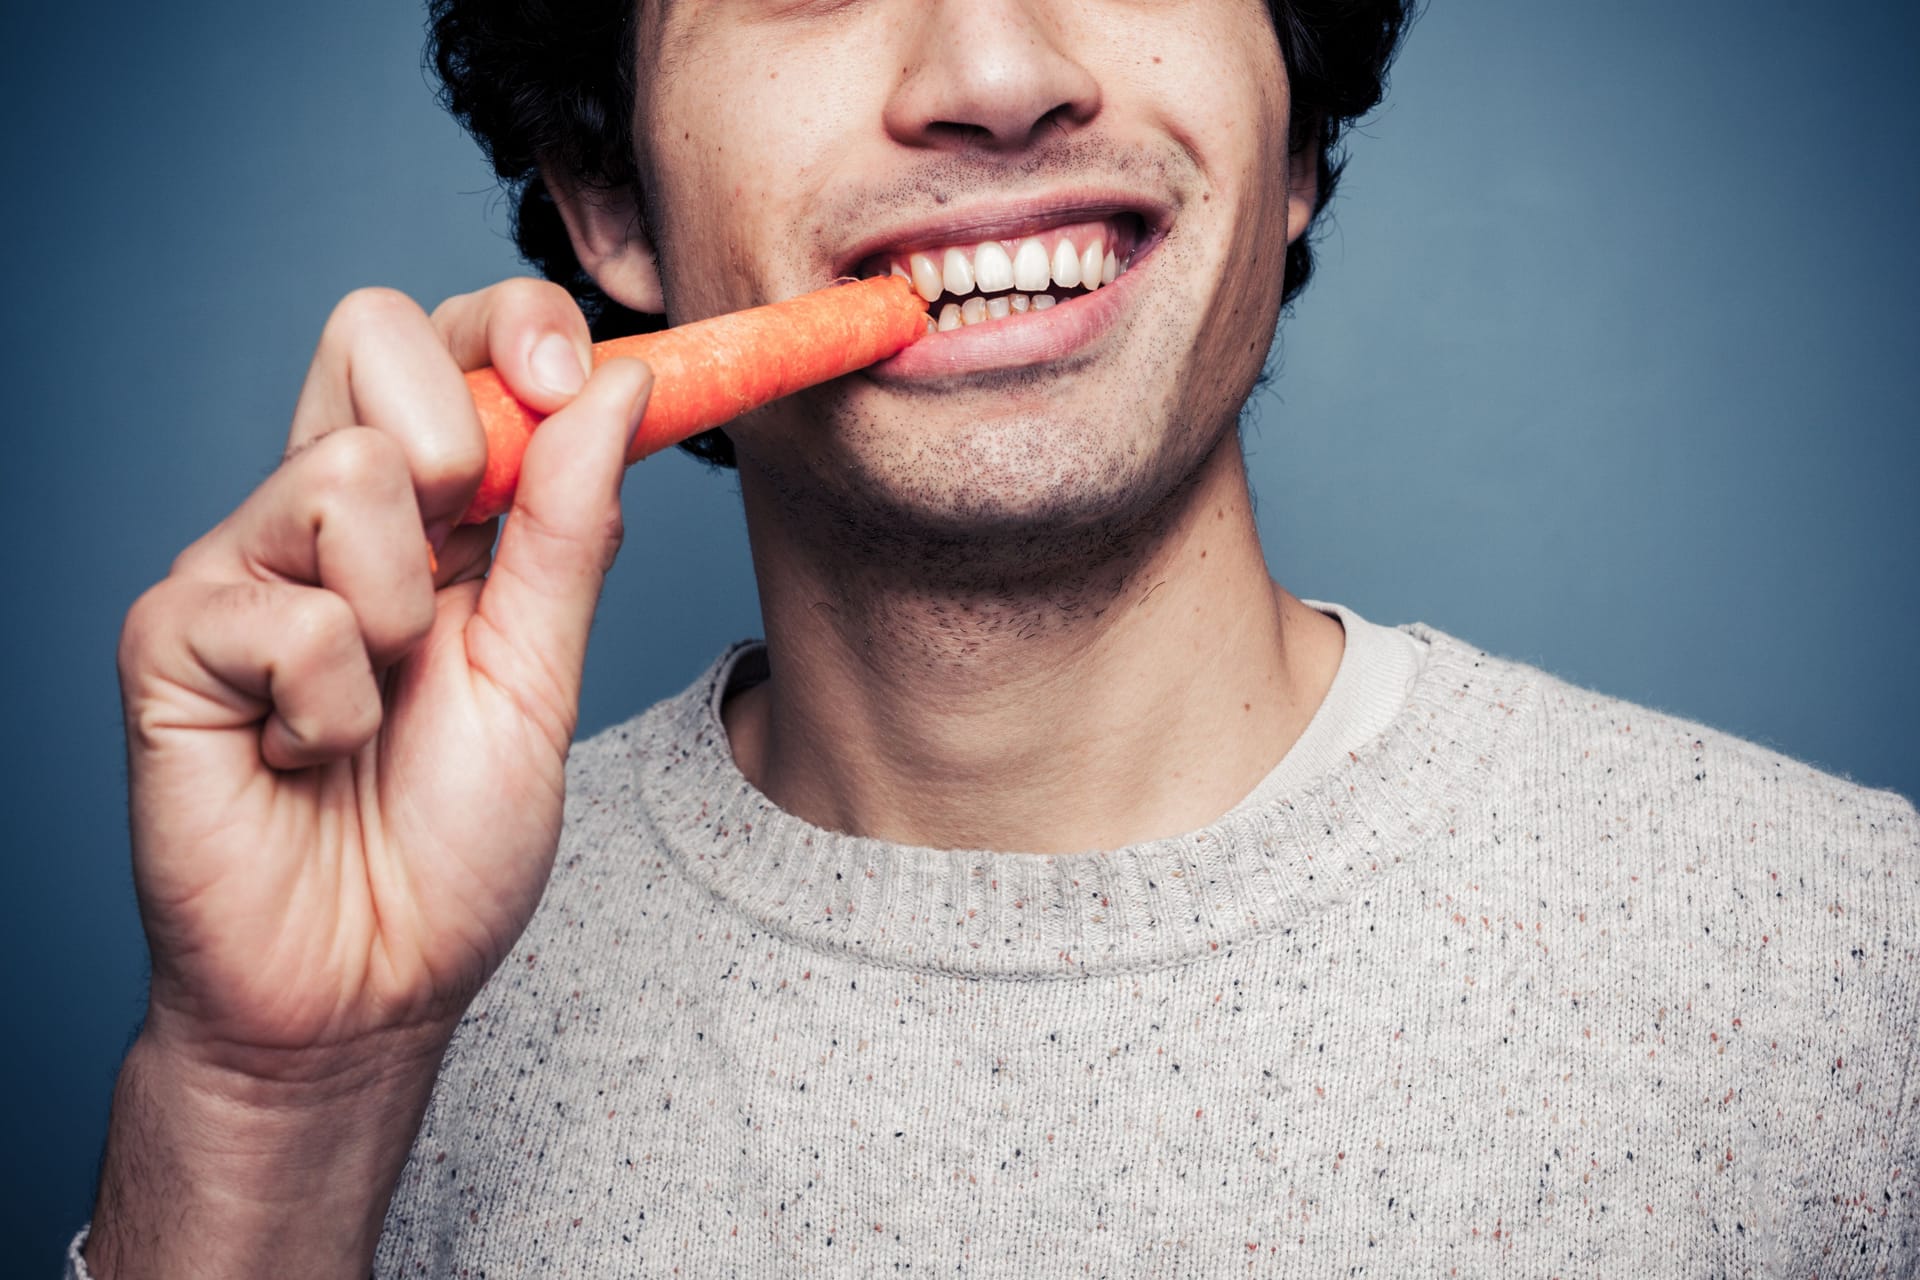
(1094, 439)
(1054, 398)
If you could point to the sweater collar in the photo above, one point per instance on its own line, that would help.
(1262, 868)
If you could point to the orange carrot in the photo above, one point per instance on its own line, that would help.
(712, 371)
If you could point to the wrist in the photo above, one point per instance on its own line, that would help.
(214, 1171)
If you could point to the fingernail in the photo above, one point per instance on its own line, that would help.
(437, 533)
(558, 366)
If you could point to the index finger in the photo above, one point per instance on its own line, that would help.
(381, 363)
(530, 332)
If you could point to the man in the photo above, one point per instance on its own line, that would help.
(1388, 954)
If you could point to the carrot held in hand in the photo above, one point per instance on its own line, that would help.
(712, 371)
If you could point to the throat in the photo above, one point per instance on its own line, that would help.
(1146, 704)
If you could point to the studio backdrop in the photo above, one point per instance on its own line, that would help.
(1609, 366)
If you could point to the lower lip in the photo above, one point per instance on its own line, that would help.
(1015, 341)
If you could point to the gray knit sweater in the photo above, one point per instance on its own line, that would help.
(1536, 983)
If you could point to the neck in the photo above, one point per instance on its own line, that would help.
(954, 703)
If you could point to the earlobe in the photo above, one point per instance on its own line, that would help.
(1303, 187)
(609, 239)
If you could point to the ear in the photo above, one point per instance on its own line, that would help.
(609, 239)
(1303, 186)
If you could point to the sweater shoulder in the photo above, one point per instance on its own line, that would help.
(1652, 747)
(1669, 785)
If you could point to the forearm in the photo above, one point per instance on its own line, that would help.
(210, 1174)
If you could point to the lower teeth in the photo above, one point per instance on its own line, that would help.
(975, 310)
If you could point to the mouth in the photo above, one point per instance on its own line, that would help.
(1013, 287)
(979, 281)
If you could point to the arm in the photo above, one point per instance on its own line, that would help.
(217, 1175)
(346, 763)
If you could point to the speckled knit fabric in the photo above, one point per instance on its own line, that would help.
(1537, 983)
(1540, 983)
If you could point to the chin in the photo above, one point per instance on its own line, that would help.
(1027, 491)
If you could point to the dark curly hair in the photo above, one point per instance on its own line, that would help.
(532, 78)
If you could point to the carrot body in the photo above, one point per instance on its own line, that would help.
(712, 371)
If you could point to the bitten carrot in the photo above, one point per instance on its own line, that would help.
(712, 371)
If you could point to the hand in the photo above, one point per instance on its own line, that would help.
(346, 772)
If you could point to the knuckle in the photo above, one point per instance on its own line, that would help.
(320, 626)
(576, 535)
(375, 307)
(358, 462)
(199, 558)
(148, 618)
(340, 726)
(445, 458)
(189, 563)
(613, 532)
(526, 293)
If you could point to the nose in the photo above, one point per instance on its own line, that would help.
(989, 74)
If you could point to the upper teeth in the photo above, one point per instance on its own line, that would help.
(1030, 268)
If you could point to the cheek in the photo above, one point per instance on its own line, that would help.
(744, 145)
(1232, 121)
(1212, 79)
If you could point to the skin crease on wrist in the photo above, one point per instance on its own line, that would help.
(1020, 607)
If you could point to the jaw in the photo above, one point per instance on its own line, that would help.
(1026, 435)
(963, 602)
(1018, 429)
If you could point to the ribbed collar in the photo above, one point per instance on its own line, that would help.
(1260, 869)
(1378, 666)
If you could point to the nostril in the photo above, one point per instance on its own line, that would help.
(1058, 118)
(965, 135)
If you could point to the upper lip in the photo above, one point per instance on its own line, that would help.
(1005, 219)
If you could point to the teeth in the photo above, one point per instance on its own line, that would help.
(956, 273)
(992, 268)
(964, 276)
(1066, 265)
(927, 281)
(1030, 266)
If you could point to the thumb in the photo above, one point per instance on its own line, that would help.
(560, 539)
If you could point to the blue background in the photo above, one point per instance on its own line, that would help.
(1610, 368)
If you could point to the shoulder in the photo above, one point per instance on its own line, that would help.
(1589, 743)
(1675, 814)
(1736, 933)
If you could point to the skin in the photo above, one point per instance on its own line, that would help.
(983, 598)
(979, 593)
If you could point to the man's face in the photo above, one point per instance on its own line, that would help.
(785, 143)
